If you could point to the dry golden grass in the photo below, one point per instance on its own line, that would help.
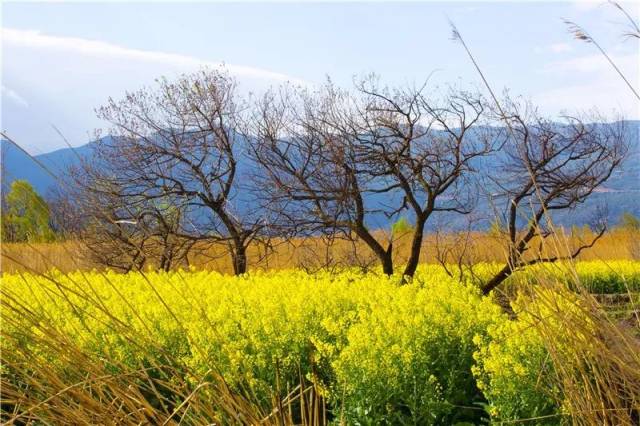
(595, 357)
(315, 253)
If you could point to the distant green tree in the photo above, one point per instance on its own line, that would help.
(630, 222)
(401, 226)
(25, 215)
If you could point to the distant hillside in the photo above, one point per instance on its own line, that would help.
(18, 165)
(621, 193)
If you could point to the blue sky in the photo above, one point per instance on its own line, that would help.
(62, 60)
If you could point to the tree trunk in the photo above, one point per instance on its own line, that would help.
(239, 257)
(385, 256)
(387, 262)
(165, 265)
(416, 247)
(166, 257)
(497, 279)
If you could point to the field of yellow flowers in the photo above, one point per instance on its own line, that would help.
(430, 352)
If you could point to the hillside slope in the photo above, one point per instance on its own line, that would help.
(621, 193)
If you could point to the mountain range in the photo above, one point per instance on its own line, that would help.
(621, 193)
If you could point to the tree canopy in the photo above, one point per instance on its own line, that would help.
(25, 216)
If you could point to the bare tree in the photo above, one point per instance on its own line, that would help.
(428, 149)
(177, 146)
(456, 252)
(120, 231)
(335, 162)
(110, 230)
(66, 220)
(549, 167)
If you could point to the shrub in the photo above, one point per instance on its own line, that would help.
(512, 370)
(408, 359)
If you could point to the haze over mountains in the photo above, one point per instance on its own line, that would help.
(621, 193)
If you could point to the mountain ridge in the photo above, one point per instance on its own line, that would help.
(621, 193)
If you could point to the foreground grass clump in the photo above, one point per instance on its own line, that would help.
(431, 352)
(563, 361)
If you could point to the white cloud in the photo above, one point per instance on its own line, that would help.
(608, 96)
(65, 78)
(14, 96)
(589, 81)
(605, 12)
(103, 50)
(554, 48)
(587, 5)
(630, 6)
(594, 63)
(560, 47)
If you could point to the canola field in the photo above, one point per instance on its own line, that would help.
(430, 352)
